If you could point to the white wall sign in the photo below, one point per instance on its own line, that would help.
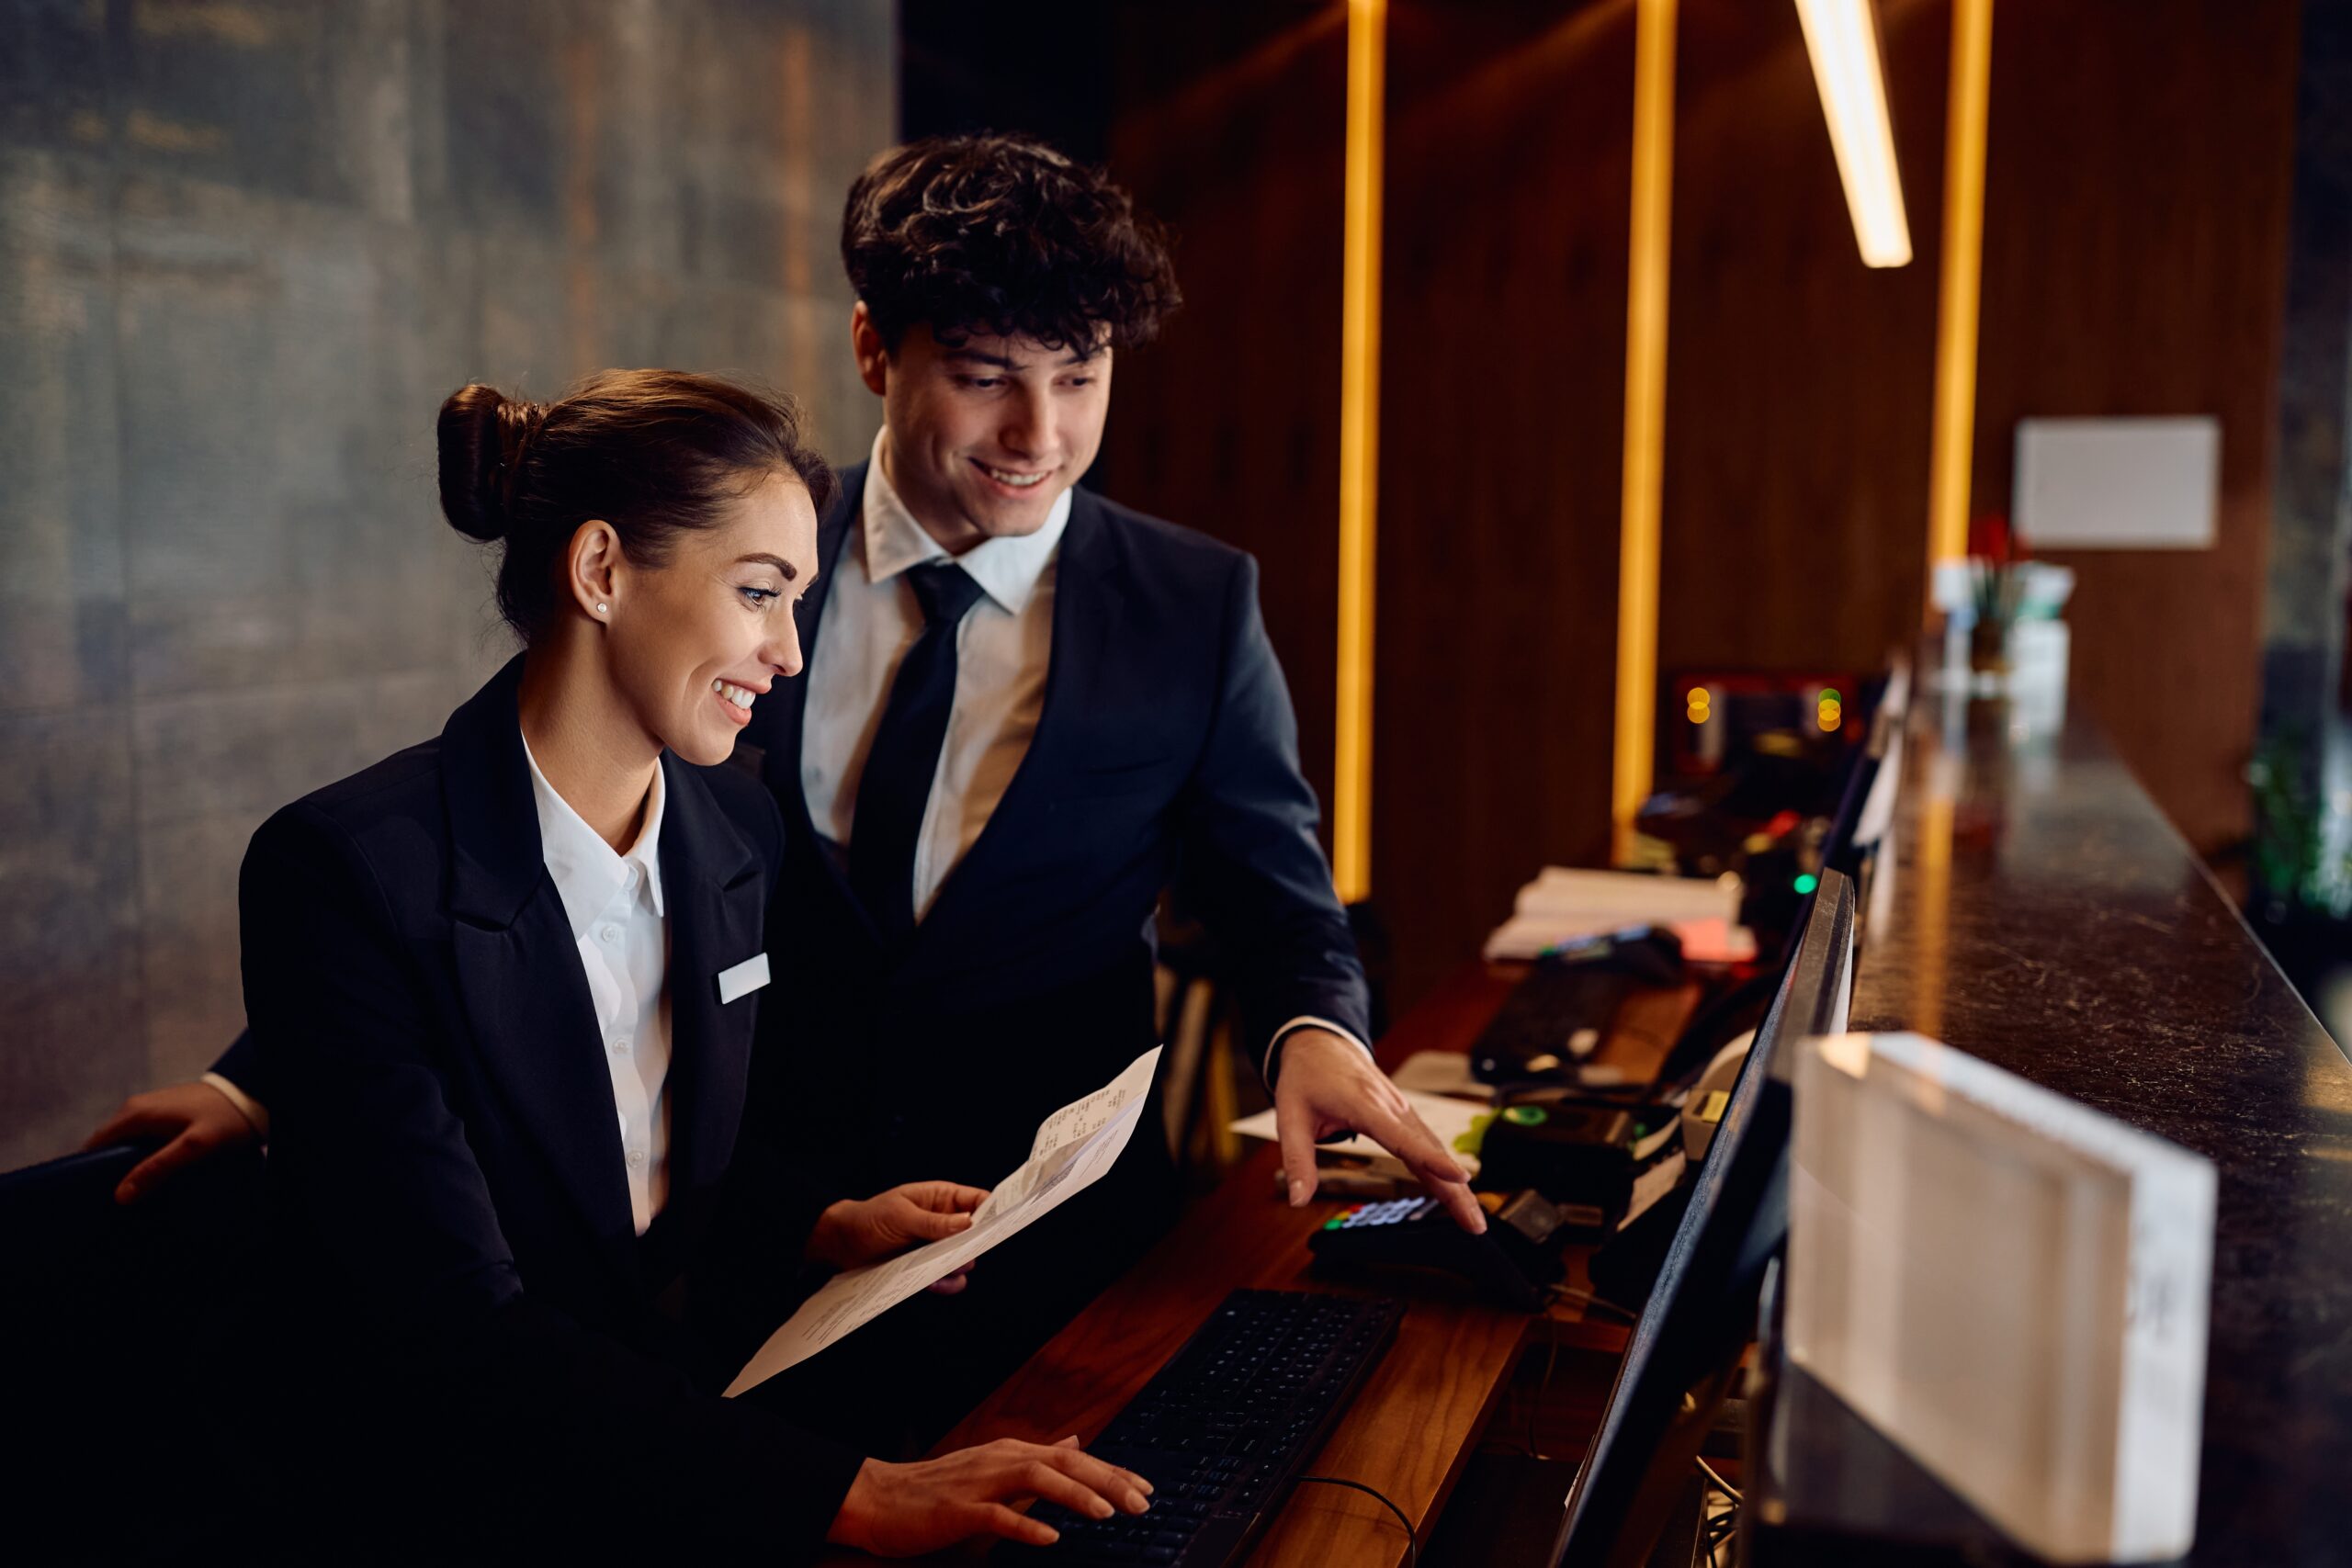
(2118, 484)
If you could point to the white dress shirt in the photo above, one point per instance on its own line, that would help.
(614, 903)
(1003, 647)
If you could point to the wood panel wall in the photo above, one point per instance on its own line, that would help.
(2138, 178)
(1799, 383)
(2135, 255)
(1502, 397)
(1230, 127)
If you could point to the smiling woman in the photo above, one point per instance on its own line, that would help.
(506, 988)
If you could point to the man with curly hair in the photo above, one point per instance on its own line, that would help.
(971, 931)
(1029, 713)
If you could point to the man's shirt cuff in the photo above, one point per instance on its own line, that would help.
(1266, 1066)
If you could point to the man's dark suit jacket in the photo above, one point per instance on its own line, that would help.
(1166, 753)
(481, 1328)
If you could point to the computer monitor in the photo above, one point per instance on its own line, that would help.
(1885, 754)
(1841, 850)
(1687, 1344)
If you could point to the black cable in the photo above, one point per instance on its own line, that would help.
(1412, 1545)
(1722, 1526)
(1587, 1304)
(1535, 1401)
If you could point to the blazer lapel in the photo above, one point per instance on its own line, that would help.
(776, 722)
(715, 897)
(518, 969)
(780, 720)
(1088, 589)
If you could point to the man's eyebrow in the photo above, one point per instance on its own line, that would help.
(762, 558)
(1002, 361)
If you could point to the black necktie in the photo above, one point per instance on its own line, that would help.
(896, 786)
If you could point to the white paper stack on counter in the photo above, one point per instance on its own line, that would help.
(2008, 1284)
(1454, 1121)
(1562, 904)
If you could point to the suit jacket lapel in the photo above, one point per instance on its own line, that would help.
(713, 896)
(518, 968)
(776, 722)
(1087, 591)
(780, 719)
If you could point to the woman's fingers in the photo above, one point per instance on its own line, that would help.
(1044, 1479)
(132, 1120)
(995, 1518)
(181, 1151)
(1123, 1487)
(931, 1224)
(949, 1285)
(946, 1197)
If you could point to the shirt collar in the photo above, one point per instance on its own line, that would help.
(586, 872)
(1008, 569)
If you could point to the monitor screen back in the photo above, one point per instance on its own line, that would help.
(1701, 1311)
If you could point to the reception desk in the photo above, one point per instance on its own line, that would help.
(2034, 909)
(2030, 906)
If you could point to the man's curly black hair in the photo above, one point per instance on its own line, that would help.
(1001, 235)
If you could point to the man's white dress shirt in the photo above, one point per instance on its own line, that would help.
(1003, 647)
(614, 902)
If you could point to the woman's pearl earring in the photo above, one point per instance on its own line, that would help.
(600, 609)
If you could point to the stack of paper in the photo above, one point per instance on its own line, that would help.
(1562, 904)
(1458, 1124)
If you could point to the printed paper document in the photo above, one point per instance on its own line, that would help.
(1073, 1147)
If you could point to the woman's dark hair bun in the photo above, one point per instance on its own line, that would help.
(650, 453)
(484, 440)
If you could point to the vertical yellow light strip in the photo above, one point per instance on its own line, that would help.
(1964, 130)
(1359, 451)
(1637, 550)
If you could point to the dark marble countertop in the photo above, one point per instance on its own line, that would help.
(2033, 908)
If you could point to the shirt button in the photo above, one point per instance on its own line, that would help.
(610, 933)
(622, 1045)
(637, 1156)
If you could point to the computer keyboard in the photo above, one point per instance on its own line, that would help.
(1555, 1018)
(1223, 1430)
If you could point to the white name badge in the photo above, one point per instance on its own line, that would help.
(744, 979)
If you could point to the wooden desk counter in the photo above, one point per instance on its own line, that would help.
(1414, 1423)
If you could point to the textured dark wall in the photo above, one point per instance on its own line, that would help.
(246, 246)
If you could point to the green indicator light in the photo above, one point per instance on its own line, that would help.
(1807, 884)
(1830, 695)
(1334, 1224)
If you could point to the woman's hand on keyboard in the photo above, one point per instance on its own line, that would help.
(901, 1510)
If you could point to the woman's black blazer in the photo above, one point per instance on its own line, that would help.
(465, 1300)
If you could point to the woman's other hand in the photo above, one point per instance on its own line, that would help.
(855, 1232)
(197, 1122)
(900, 1511)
